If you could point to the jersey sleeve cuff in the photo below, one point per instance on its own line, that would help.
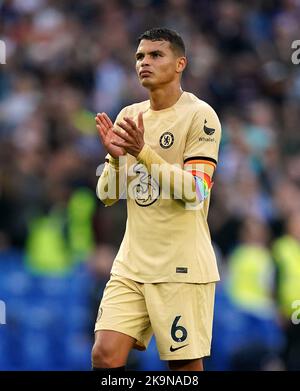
(142, 156)
(148, 157)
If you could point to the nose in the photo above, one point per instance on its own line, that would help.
(145, 61)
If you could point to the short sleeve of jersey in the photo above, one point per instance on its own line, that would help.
(118, 119)
(203, 138)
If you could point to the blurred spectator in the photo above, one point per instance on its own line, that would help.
(64, 236)
(286, 252)
(250, 288)
(251, 272)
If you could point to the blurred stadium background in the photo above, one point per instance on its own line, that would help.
(67, 60)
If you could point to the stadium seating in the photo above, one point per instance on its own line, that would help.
(48, 318)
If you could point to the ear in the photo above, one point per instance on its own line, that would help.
(181, 64)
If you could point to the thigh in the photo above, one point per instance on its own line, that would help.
(123, 309)
(181, 316)
(113, 344)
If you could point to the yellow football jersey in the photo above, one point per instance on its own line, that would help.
(166, 241)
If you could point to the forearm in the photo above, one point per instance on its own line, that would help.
(112, 181)
(172, 179)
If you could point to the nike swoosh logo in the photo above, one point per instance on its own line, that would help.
(179, 347)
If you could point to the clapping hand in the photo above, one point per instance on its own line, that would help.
(107, 135)
(131, 139)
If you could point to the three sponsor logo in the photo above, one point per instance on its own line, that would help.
(147, 190)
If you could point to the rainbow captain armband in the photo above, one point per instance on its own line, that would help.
(203, 184)
(203, 181)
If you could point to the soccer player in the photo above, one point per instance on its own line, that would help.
(162, 154)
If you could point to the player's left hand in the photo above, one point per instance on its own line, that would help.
(133, 137)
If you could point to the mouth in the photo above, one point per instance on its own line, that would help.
(145, 73)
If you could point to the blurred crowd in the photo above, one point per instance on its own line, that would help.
(67, 60)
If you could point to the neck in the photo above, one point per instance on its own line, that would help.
(162, 98)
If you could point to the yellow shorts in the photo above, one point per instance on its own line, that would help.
(180, 315)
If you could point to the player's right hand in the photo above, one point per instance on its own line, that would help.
(105, 129)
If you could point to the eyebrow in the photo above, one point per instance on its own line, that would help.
(152, 52)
